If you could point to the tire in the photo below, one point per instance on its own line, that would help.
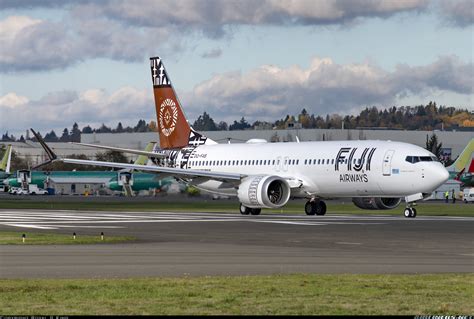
(255, 211)
(413, 213)
(244, 210)
(407, 212)
(321, 208)
(309, 208)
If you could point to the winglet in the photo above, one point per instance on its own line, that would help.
(51, 155)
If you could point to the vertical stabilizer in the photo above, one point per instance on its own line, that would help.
(463, 159)
(143, 159)
(173, 128)
(5, 163)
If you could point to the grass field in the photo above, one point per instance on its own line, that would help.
(277, 294)
(228, 206)
(31, 238)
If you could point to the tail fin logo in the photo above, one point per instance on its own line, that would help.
(168, 116)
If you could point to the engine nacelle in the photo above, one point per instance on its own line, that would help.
(263, 191)
(376, 202)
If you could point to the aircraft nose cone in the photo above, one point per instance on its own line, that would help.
(441, 175)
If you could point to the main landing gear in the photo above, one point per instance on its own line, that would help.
(409, 212)
(247, 210)
(315, 207)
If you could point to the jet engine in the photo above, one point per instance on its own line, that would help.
(263, 191)
(376, 202)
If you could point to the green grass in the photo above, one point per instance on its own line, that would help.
(227, 206)
(297, 294)
(16, 238)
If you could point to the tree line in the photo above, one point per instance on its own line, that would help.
(422, 117)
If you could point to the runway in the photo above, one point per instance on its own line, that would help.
(187, 243)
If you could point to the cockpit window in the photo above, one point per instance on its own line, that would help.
(416, 159)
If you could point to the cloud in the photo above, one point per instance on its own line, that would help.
(212, 54)
(458, 13)
(129, 30)
(30, 44)
(212, 15)
(264, 93)
(37, 45)
(269, 92)
(12, 100)
(57, 110)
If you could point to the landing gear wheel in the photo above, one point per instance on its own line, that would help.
(407, 213)
(321, 208)
(244, 210)
(410, 212)
(315, 208)
(309, 208)
(255, 211)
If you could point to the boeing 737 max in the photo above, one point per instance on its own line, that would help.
(375, 174)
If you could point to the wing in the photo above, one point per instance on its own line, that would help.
(177, 172)
(124, 150)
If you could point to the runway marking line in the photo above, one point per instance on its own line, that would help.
(68, 219)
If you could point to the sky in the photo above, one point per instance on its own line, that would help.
(86, 61)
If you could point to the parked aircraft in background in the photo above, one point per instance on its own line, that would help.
(5, 164)
(125, 181)
(463, 168)
(375, 174)
(140, 181)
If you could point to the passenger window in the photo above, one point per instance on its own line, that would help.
(332, 161)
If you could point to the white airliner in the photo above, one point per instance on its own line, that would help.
(375, 174)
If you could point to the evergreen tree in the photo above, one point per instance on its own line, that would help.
(241, 125)
(119, 128)
(65, 137)
(104, 129)
(433, 146)
(205, 123)
(51, 137)
(75, 133)
(141, 126)
(87, 130)
(222, 126)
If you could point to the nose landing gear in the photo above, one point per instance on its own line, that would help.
(410, 212)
